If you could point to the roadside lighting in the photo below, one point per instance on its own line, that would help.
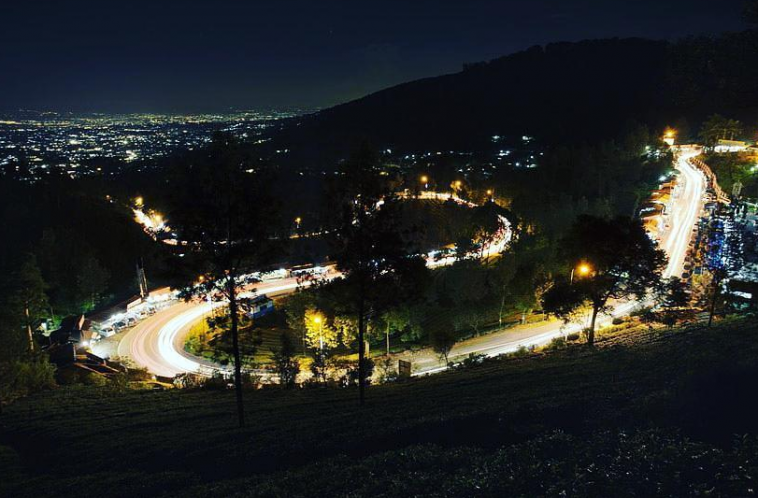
(139, 201)
(489, 193)
(583, 270)
(297, 222)
(318, 320)
(425, 180)
(669, 136)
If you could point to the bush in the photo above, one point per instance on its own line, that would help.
(521, 352)
(556, 344)
(118, 383)
(473, 359)
(68, 376)
(21, 378)
(217, 382)
(92, 379)
(189, 381)
(617, 321)
(572, 337)
(139, 375)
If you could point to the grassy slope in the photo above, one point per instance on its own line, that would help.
(699, 380)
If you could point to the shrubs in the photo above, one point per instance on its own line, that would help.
(139, 375)
(610, 463)
(21, 378)
(521, 352)
(216, 382)
(556, 344)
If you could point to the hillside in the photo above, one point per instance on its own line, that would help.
(562, 92)
(660, 405)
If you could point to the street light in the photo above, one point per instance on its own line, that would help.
(320, 322)
(583, 270)
(669, 136)
(425, 180)
(297, 222)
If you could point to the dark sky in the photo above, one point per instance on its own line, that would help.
(171, 55)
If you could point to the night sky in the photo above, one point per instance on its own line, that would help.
(191, 55)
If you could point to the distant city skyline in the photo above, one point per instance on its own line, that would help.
(196, 56)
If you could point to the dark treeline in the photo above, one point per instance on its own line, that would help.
(85, 246)
(604, 179)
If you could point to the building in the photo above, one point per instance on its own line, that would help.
(75, 330)
(731, 146)
(258, 306)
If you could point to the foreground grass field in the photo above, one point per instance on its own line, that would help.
(669, 408)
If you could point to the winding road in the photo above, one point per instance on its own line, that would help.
(157, 342)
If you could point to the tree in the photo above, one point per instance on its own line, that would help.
(221, 209)
(91, 282)
(615, 260)
(286, 365)
(30, 296)
(442, 338)
(319, 334)
(222, 343)
(377, 269)
(718, 275)
(673, 303)
(717, 128)
(401, 319)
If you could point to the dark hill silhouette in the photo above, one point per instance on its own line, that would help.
(563, 92)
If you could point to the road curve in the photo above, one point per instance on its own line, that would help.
(158, 342)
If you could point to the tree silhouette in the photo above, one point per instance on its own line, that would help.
(226, 222)
(30, 296)
(287, 365)
(377, 269)
(717, 128)
(620, 261)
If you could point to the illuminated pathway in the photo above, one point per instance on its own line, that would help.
(158, 342)
(685, 211)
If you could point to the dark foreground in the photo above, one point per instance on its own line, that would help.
(648, 413)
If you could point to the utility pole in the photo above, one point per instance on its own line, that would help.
(141, 279)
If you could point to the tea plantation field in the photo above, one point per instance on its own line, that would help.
(645, 413)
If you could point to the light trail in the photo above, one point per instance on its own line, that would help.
(686, 209)
(157, 343)
(161, 351)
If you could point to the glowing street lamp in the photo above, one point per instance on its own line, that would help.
(297, 222)
(425, 180)
(669, 136)
(456, 186)
(318, 320)
(583, 270)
